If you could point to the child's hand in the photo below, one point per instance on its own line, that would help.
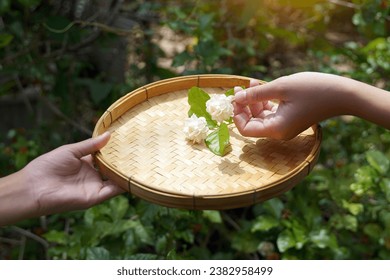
(302, 100)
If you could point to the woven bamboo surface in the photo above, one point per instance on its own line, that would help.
(149, 156)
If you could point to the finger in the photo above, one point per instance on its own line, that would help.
(109, 190)
(253, 83)
(237, 89)
(240, 120)
(257, 94)
(251, 110)
(256, 127)
(258, 107)
(240, 109)
(90, 146)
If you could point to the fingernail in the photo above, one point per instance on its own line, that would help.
(105, 134)
(236, 89)
(240, 96)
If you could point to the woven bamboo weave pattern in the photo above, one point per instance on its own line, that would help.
(148, 149)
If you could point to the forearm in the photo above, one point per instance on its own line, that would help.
(16, 201)
(370, 103)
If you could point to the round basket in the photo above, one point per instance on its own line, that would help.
(149, 156)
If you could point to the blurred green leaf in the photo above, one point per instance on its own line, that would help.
(245, 242)
(98, 90)
(181, 59)
(274, 207)
(378, 160)
(348, 222)
(384, 216)
(353, 208)
(118, 206)
(55, 236)
(98, 253)
(143, 257)
(5, 39)
(265, 223)
(385, 187)
(285, 241)
(365, 177)
(300, 234)
(323, 239)
(213, 216)
(206, 22)
(373, 230)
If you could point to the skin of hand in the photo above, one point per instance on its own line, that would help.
(304, 99)
(61, 180)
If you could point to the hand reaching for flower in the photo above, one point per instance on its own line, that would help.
(305, 99)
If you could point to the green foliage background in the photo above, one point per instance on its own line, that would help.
(48, 60)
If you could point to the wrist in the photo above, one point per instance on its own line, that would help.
(16, 198)
(342, 96)
(369, 102)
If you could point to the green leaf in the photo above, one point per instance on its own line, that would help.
(197, 99)
(142, 257)
(365, 177)
(218, 140)
(98, 253)
(245, 241)
(119, 206)
(385, 218)
(378, 160)
(373, 230)
(348, 222)
(172, 255)
(229, 92)
(98, 90)
(264, 223)
(274, 207)
(212, 216)
(385, 187)
(300, 234)
(181, 59)
(206, 21)
(161, 244)
(285, 241)
(5, 39)
(322, 239)
(353, 208)
(59, 237)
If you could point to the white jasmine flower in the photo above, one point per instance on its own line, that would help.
(196, 129)
(220, 107)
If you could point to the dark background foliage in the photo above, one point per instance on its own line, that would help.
(64, 62)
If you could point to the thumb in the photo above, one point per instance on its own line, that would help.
(90, 146)
(257, 94)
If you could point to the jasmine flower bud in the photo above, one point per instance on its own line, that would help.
(196, 129)
(220, 107)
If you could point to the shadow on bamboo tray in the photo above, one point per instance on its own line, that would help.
(149, 156)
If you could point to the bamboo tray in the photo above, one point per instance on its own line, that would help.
(149, 157)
